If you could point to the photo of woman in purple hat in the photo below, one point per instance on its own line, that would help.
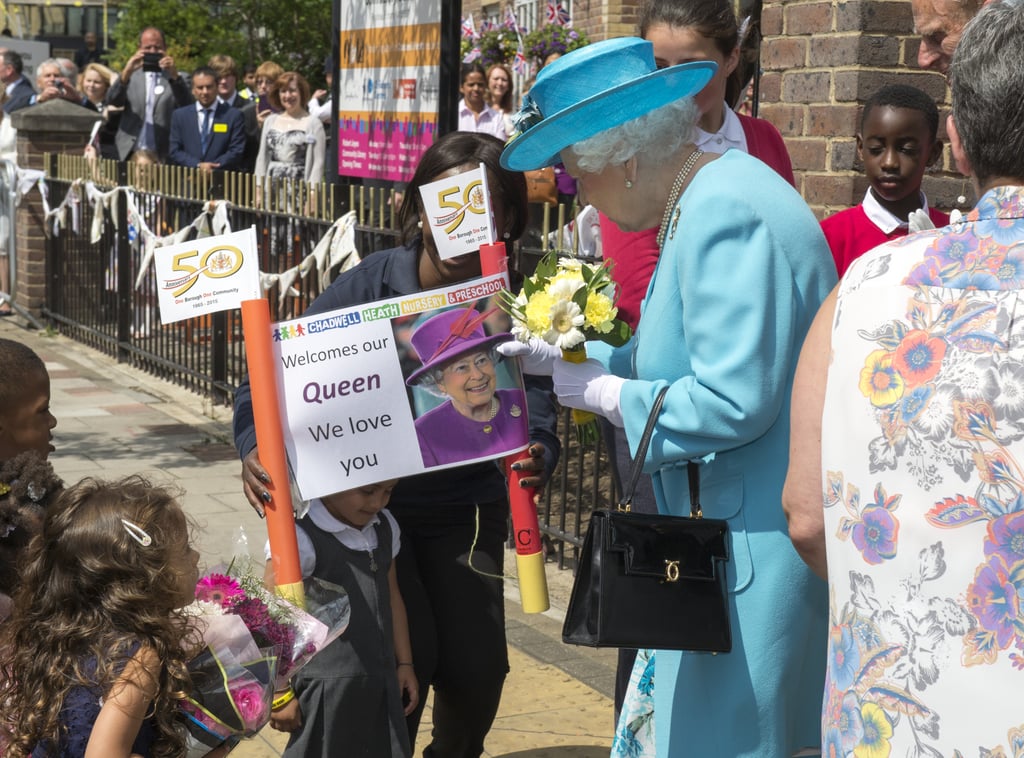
(478, 420)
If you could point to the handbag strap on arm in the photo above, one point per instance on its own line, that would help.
(693, 474)
(636, 468)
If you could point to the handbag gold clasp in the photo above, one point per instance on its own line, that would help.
(671, 571)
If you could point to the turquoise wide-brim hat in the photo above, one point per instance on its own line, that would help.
(592, 89)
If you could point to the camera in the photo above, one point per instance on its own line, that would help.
(151, 62)
(60, 87)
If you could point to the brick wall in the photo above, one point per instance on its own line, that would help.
(821, 59)
(56, 126)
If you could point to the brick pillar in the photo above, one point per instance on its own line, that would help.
(821, 60)
(55, 126)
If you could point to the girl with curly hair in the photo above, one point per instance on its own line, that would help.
(96, 647)
(27, 486)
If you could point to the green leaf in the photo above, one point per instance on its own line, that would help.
(618, 336)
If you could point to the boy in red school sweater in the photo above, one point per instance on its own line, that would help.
(897, 143)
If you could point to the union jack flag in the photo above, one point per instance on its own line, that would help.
(510, 20)
(468, 30)
(519, 62)
(472, 55)
(557, 14)
(485, 26)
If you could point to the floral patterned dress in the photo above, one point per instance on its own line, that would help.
(923, 459)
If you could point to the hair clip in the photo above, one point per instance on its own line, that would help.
(137, 533)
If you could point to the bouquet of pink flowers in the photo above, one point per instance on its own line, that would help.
(253, 642)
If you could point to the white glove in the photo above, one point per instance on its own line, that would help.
(588, 386)
(919, 220)
(535, 356)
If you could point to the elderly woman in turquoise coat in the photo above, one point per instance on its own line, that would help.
(742, 270)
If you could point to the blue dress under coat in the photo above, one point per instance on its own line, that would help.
(731, 299)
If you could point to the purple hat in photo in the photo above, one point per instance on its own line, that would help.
(448, 335)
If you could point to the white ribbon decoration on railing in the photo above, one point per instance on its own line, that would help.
(57, 216)
(335, 249)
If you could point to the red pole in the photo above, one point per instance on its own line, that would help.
(533, 584)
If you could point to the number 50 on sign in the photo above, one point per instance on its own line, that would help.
(207, 275)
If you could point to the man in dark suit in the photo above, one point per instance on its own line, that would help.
(208, 135)
(149, 89)
(227, 92)
(19, 91)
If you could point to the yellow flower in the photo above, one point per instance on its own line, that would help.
(600, 312)
(877, 733)
(564, 285)
(879, 381)
(538, 312)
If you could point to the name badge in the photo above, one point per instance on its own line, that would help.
(220, 128)
(158, 89)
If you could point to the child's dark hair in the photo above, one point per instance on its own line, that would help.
(91, 593)
(904, 96)
(27, 486)
(473, 67)
(17, 362)
(713, 19)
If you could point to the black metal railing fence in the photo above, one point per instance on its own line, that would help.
(96, 295)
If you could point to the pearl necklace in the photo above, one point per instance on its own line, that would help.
(492, 411)
(674, 193)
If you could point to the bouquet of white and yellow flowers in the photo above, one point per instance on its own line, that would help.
(565, 303)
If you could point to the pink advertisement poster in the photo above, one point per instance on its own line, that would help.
(388, 76)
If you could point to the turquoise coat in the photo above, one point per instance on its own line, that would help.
(730, 302)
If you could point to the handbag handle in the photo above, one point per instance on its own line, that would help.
(636, 467)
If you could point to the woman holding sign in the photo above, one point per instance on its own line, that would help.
(454, 521)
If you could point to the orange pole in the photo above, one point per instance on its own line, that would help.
(259, 351)
(533, 583)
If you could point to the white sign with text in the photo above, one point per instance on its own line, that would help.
(207, 275)
(349, 383)
(458, 208)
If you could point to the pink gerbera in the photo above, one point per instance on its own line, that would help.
(218, 588)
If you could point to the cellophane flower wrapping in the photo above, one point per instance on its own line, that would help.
(566, 302)
(253, 643)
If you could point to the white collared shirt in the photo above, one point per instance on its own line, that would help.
(729, 136)
(885, 220)
(199, 115)
(490, 122)
(349, 536)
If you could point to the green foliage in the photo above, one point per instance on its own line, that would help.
(496, 46)
(552, 38)
(296, 34)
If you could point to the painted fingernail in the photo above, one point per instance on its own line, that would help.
(264, 478)
(265, 496)
(261, 514)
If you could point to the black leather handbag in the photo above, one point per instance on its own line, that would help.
(651, 581)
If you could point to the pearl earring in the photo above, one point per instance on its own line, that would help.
(629, 184)
(419, 224)
(506, 235)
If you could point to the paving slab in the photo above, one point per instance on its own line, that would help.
(114, 420)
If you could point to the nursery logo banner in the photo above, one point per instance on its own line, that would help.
(207, 275)
(398, 387)
(459, 213)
